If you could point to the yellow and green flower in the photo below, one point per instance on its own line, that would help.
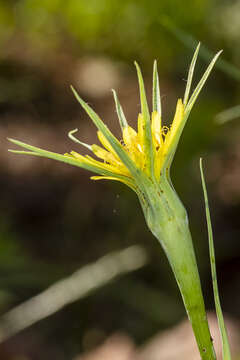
(147, 151)
(142, 160)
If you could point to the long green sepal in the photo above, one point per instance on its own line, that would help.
(156, 98)
(120, 113)
(109, 136)
(225, 343)
(189, 105)
(148, 145)
(190, 75)
(35, 151)
(200, 85)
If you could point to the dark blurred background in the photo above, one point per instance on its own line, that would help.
(53, 219)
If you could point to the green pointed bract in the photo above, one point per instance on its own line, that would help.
(200, 85)
(35, 151)
(225, 342)
(189, 105)
(190, 75)
(122, 119)
(156, 99)
(147, 123)
(109, 136)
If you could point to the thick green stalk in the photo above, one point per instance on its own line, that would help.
(167, 220)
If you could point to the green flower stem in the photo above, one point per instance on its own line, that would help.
(167, 219)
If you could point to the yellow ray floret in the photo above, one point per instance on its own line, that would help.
(133, 144)
(143, 153)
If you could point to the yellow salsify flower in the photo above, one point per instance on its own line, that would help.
(145, 153)
(142, 160)
(133, 144)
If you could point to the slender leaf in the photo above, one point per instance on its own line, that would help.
(224, 336)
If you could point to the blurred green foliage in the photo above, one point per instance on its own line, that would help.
(123, 29)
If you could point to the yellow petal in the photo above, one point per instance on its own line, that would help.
(177, 121)
(156, 130)
(133, 146)
(77, 156)
(121, 169)
(156, 123)
(105, 142)
(126, 182)
(105, 155)
(176, 125)
(141, 131)
(129, 137)
(100, 165)
(157, 142)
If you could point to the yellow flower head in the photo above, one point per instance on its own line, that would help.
(143, 153)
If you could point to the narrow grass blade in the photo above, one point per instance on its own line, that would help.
(228, 115)
(109, 136)
(190, 75)
(224, 336)
(80, 284)
(120, 113)
(201, 83)
(156, 91)
(147, 122)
